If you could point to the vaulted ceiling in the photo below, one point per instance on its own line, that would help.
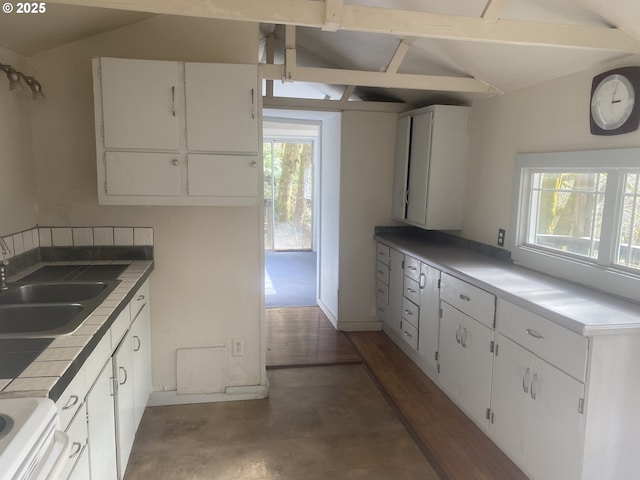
(416, 51)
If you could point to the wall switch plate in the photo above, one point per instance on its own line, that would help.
(237, 347)
(501, 234)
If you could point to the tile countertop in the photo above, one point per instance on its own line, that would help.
(50, 373)
(580, 309)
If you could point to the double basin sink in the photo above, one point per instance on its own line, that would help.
(34, 307)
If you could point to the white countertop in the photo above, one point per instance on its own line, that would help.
(580, 309)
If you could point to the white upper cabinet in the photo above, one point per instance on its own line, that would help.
(432, 146)
(221, 105)
(175, 133)
(140, 104)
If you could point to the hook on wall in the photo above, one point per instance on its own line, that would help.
(14, 78)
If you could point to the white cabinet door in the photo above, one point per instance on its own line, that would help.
(429, 314)
(556, 427)
(512, 370)
(449, 351)
(396, 282)
(141, 336)
(475, 380)
(419, 168)
(143, 174)
(101, 427)
(222, 109)
(403, 136)
(223, 175)
(124, 401)
(140, 104)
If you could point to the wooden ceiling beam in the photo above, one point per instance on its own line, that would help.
(310, 13)
(492, 10)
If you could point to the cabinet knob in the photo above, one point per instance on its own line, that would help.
(175, 162)
(254, 164)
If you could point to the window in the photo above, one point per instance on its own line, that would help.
(578, 217)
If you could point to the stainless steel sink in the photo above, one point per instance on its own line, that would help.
(52, 292)
(40, 320)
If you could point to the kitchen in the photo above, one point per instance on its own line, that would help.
(49, 180)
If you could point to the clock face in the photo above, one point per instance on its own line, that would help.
(612, 102)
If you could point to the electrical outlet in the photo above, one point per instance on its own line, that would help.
(237, 347)
(501, 234)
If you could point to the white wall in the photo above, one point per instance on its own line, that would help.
(18, 203)
(553, 116)
(206, 288)
(366, 181)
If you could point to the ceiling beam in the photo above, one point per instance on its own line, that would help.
(332, 15)
(492, 10)
(334, 76)
(398, 56)
(311, 13)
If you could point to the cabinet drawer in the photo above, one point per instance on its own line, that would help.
(77, 432)
(412, 290)
(140, 298)
(383, 253)
(71, 399)
(381, 309)
(410, 312)
(468, 299)
(382, 292)
(120, 327)
(412, 268)
(410, 334)
(382, 272)
(96, 360)
(560, 347)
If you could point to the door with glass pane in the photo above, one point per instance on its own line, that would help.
(288, 194)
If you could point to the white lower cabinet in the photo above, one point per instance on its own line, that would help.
(81, 468)
(141, 344)
(429, 317)
(124, 401)
(536, 413)
(466, 361)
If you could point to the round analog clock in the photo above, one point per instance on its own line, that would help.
(615, 101)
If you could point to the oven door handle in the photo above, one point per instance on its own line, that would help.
(62, 450)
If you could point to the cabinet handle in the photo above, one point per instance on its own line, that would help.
(412, 268)
(410, 290)
(380, 290)
(253, 104)
(77, 446)
(525, 380)
(173, 101)
(253, 164)
(140, 298)
(458, 334)
(72, 402)
(380, 272)
(126, 376)
(137, 339)
(534, 384)
(463, 337)
(406, 198)
(175, 162)
(533, 333)
(407, 334)
(408, 312)
(465, 298)
(423, 281)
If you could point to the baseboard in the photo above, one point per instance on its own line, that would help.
(332, 318)
(370, 326)
(418, 359)
(249, 392)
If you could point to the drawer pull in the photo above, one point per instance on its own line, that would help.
(126, 375)
(533, 333)
(410, 290)
(72, 402)
(458, 334)
(463, 338)
(410, 267)
(465, 298)
(380, 290)
(534, 384)
(525, 380)
(381, 272)
(77, 446)
(408, 312)
(423, 281)
(140, 298)
(407, 334)
(137, 343)
(381, 309)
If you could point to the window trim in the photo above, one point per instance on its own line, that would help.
(601, 273)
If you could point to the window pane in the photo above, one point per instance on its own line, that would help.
(566, 209)
(629, 244)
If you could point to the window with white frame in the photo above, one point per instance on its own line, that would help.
(578, 217)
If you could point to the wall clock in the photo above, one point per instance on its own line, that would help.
(615, 101)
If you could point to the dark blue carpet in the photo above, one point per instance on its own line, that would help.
(290, 279)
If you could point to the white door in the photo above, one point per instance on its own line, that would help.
(403, 135)
(429, 314)
(141, 337)
(125, 412)
(556, 428)
(222, 108)
(101, 427)
(450, 355)
(419, 168)
(510, 400)
(140, 104)
(475, 379)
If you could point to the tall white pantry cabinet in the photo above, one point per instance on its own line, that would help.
(177, 133)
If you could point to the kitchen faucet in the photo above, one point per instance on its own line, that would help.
(5, 262)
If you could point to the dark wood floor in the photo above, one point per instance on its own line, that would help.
(456, 448)
(304, 336)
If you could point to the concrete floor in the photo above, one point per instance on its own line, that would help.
(319, 423)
